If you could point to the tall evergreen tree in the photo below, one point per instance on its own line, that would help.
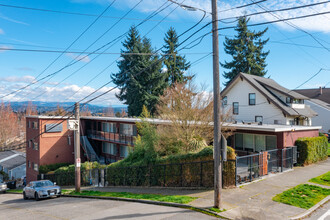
(176, 65)
(139, 78)
(247, 52)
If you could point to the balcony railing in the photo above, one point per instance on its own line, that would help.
(114, 137)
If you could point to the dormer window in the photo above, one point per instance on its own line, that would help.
(252, 98)
(224, 101)
(288, 100)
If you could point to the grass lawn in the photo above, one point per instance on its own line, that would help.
(303, 196)
(155, 197)
(323, 179)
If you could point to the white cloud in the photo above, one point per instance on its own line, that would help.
(82, 58)
(316, 23)
(67, 93)
(18, 79)
(2, 31)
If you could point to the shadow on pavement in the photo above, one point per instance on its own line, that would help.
(139, 215)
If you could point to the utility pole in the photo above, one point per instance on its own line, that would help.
(216, 108)
(77, 148)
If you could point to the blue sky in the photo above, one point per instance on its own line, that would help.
(294, 55)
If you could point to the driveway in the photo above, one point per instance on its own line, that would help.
(12, 206)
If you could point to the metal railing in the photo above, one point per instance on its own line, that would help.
(251, 167)
(114, 137)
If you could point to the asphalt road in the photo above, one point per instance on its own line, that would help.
(322, 213)
(12, 206)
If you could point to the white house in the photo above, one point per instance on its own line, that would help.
(258, 99)
(320, 102)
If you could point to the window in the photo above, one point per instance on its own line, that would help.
(35, 146)
(239, 141)
(271, 142)
(128, 129)
(29, 164)
(35, 125)
(248, 142)
(124, 151)
(35, 167)
(235, 108)
(51, 128)
(224, 101)
(69, 140)
(109, 148)
(105, 127)
(252, 98)
(30, 143)
(255, 142)
(29, 124)
(109, 127)
(288, 100)
(258, 118)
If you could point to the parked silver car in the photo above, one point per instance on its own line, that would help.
(3, 187)
(41, 189)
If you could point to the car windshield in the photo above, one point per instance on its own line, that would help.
(44, 183)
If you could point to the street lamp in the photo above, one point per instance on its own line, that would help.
(216, 100)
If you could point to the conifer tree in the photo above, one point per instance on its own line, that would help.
(246, 49)
(139, 78)
(176, 65)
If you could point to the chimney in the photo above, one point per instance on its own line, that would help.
(321, 90)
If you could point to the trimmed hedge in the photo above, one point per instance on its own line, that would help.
(312, 149)
(51, 167)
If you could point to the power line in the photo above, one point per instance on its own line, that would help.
(115, 41)
(90, 53)
(273, 11)
(241, 6)
(318, 72)
(102, 35)
(73, 13)
(63, 51)
(279, 20)
(293, 25)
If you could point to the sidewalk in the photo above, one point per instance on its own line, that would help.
(252, 201)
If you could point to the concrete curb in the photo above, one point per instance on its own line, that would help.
(311, 210)
(201, 210)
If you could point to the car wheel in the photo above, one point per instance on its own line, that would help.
(24, 196)
(36, 196)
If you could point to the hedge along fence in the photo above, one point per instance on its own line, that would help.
(187, 174)
(312, 149)
(187, 170)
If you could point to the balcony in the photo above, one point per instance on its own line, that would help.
(297, 106)
(112, 137)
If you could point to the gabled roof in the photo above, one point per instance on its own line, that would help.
(261, 84)
(320, 103)
(316, 94)
(12, 159)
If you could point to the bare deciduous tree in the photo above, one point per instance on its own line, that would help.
(190, 112)
(9, 127)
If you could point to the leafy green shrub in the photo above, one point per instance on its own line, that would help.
(84, 166)
(51, 167)
(312, 149)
